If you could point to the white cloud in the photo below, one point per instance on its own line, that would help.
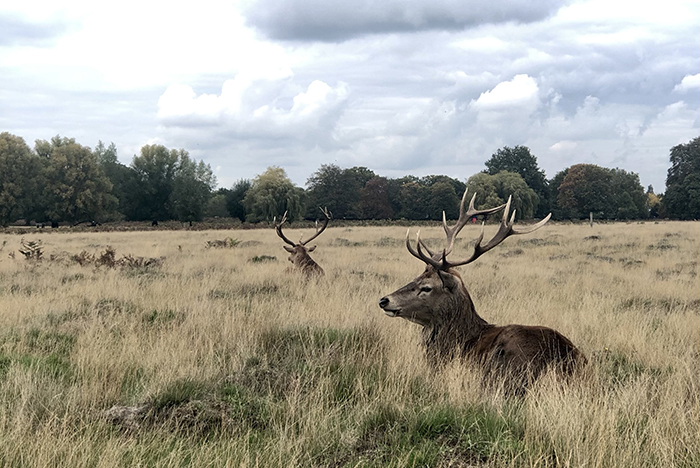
(251, 106)
(484, 45)
(563, 145)
(520, 92)
(688, 83)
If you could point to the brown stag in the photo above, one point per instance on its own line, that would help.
(439, 302)
(299, 253)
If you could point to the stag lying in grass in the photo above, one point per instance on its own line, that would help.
(438, 301)
(299, 253)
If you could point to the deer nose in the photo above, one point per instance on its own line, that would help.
(383, 302)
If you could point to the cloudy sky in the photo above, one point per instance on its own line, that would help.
(402, 87)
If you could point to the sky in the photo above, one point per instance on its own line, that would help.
(402, 87)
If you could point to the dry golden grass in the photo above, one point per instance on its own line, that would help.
(238, 363)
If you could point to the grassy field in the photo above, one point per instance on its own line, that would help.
(218, 357)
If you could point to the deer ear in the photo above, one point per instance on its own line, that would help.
(311, 249)
(288, 249)
(449, 282)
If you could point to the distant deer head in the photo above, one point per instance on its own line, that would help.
(439, 302)
(299, 253)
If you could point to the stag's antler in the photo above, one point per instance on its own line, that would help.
(505, 229)
(464, 217)
(278, 228)
(327, 214)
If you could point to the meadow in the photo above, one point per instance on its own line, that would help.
(211, 354)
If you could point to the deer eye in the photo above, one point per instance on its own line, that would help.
(426, 289)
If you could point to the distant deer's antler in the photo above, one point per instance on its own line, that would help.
(327, 214)
(505, 229)
(278, 228)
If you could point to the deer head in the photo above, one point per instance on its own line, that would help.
(438, 296)
(299, 253)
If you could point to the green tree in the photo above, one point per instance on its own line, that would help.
(493, 190)
(607, 193)
(235, 197)
(682, 197)
(443, 198)
(192, 186)
(413, 200)
(519, 160)
(337, 189)
(216, 206)
(271, 194)
(148, 194)
(558, 212)
(393, 190)
(585, 189)
(76, 188)
(458, 186)
(20, 173)
(629, 197)
(120, 175)
(374, 199)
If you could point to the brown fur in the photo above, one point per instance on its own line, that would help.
(299, 256)
(440, 303)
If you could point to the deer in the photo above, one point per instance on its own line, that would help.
(299, 253)
(438, 301)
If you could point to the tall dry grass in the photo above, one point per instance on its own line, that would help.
(234, 362)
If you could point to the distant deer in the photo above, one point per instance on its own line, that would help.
(438, 301)
(299, 253)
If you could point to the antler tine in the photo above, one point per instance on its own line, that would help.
(464, 217)
(430, 260)
(319, 231)
(427, 249)
(419, 253)
(278, 229)
(505, 229)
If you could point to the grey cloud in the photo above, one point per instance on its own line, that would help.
(338, 21)
(16, 31)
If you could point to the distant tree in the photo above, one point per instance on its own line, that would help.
(192, 186)
(682, 197)
(456, 184)
(235, 197)
(413, 200)
(393, 190)
(76, 188)
(20, 172)
(271, 194)
(519, 160)
(628, 195)
(494, 190)
(443, 198)
(360, 175)
(120, 175)
(374, 199)
(216, 206)
(607, 193)
(148, 194)
(337, 189)
(654, 202)
(585, 189)
(558, 212)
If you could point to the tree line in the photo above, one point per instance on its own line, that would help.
(61, 180)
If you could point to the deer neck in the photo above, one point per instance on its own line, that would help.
(456, 330)
(306, 262)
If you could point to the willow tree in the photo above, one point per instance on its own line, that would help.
(494, 190)
(271, 194)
